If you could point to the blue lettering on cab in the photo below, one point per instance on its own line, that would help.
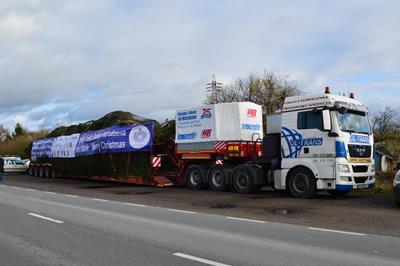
(362, 139)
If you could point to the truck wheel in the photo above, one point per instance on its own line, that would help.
(243, 179)
(302, 183)
(195, 176)
(218, 177)
(336, 193)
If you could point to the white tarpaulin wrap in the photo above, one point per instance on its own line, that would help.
(218, 122)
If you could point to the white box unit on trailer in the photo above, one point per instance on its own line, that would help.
(219, 122)
(274, 124)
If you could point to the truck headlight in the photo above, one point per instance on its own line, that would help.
(373, 168)
(345, 178)
(344, 168)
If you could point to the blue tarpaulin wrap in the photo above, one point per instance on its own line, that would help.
(114, 139)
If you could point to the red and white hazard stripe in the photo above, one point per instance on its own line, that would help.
(156, 161)
(220, 145)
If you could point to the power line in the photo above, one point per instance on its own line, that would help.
(215, 87)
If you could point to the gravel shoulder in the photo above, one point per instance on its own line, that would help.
(375, 214)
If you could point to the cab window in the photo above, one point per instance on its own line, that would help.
(309, 120)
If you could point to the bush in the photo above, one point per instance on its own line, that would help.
(19, 145)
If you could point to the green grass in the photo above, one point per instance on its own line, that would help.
(383, 185)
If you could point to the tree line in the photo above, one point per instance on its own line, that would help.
(18, 141)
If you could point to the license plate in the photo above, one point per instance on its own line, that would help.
(362, 186)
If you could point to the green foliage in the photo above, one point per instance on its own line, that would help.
(20, 145)
(383, 185)
(19, 131)
(386, 127)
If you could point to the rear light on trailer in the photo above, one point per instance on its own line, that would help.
(233, 151)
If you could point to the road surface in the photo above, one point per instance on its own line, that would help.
(47, 228)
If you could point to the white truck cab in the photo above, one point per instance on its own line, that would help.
(326, 144)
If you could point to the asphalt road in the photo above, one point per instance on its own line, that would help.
(46, 228)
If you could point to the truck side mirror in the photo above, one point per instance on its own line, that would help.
(326, 120)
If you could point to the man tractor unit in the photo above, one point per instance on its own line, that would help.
(316, 143)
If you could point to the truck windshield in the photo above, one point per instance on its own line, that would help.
(354, 122)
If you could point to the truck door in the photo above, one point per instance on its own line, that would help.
(305, 142)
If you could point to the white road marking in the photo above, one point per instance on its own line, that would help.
(102, 200)
(71, 196)
(246, 220)
(30, 189)
(45, 218)
(49, 192)
(336, 231)
(175, 210)
(134, 204)
(205, 261)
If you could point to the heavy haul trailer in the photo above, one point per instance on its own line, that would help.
(321, 142)
(122, 153)
(91, 154)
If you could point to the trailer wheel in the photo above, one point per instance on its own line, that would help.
(195, 176)
(243, 179)
(36, 171)
(31, 170)
(218, 177)
(41, 172)
(302, 183)
(47, 172)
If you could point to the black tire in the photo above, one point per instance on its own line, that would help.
(41, 172)
(196, 176)
(336, 193)
(36, 171)
(243, 179)
(301, 183)
(31, 171)
(218, 177)
(47, 172)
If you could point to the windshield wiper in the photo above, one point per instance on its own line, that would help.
(348, 130)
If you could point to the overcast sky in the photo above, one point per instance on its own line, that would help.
(75, 60)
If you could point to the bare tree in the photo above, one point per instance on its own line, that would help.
(268, 90)
(386, 123)
(4, 133)
(386, 127)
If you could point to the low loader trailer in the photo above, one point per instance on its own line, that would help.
(321, 142)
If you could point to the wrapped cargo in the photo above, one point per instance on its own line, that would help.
(118, 145)
(241, 121)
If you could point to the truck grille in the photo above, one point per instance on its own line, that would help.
(360, 179)
(359, 151)
(360, 168)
